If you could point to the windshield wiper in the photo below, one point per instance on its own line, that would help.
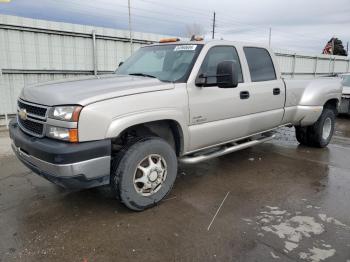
(142, 74)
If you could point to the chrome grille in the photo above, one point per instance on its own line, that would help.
(35, 110)
(35, 118)
(32, 127)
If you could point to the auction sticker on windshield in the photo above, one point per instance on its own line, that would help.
(185, 47)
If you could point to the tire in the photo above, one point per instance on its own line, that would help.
(137, 189)
(320, 133)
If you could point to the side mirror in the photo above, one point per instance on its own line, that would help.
(120, 64)
(201, 80)
(226, 74)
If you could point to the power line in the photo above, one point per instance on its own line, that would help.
(200, 15)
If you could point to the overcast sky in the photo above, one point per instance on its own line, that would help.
(300, 25)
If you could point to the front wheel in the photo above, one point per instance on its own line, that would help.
(144, 173)
(320, 133)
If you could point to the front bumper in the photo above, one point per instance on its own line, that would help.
(73, 166)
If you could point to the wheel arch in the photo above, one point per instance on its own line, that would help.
(332, 104)
(172, 129)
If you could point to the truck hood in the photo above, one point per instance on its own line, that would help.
(87, 90)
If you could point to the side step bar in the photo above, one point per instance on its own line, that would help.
(223, 151)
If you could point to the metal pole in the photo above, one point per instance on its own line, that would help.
(347, 70)
(94, 52)
(294, 62)
(213, 32)
(6, 121)
(270, 37)
(315, 68)
(333, 46)
(130, 30)
(333, 66)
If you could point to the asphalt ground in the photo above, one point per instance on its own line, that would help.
(275, 202)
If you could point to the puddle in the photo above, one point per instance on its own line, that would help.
(301, 235)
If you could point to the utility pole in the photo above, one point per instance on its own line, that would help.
(333, 46)
(213, 35)
(270, 37)
(347, 47)
(130, 30)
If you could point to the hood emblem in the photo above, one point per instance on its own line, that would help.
(22, 113)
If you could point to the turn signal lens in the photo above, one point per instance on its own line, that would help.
(73, 135)
(76, 113)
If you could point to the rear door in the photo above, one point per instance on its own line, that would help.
(266, 90)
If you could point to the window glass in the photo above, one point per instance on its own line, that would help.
(153, 61)
(260, 64)
(166, 62)
(216, 55)
(346, 80)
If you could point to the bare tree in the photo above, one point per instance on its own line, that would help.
(194, 29)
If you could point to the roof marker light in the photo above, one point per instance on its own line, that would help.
(169, 40)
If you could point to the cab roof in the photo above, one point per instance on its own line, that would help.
(213, 43)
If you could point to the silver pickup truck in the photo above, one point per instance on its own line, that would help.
(169, 102)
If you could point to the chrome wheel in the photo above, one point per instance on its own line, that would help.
(327, 128)
(150, 174)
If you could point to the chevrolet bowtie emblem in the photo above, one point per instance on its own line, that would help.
(22, 113)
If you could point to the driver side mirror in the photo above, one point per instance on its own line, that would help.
(226, 76)
(120, 64)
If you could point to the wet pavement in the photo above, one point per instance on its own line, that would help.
(275, 202)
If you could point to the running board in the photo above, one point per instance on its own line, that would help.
(223, 151)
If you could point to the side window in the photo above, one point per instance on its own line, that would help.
(216, 55)
(260, 64)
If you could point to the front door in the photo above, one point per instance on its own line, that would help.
(214, 110)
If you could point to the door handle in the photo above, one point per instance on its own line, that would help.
(244, 95)
(276, 91)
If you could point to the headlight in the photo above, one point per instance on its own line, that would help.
(62, 133)
(65, 113)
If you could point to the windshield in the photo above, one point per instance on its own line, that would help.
(169, 63)
(346, 80)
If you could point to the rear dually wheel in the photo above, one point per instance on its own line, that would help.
(320, 133)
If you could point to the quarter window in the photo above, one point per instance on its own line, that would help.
(216, 55)
(260, 64)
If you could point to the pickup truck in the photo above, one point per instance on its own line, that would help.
(173, 101)
(344, 107)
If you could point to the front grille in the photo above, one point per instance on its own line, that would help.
(34, 119)
(34, 128)
(31, 109)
